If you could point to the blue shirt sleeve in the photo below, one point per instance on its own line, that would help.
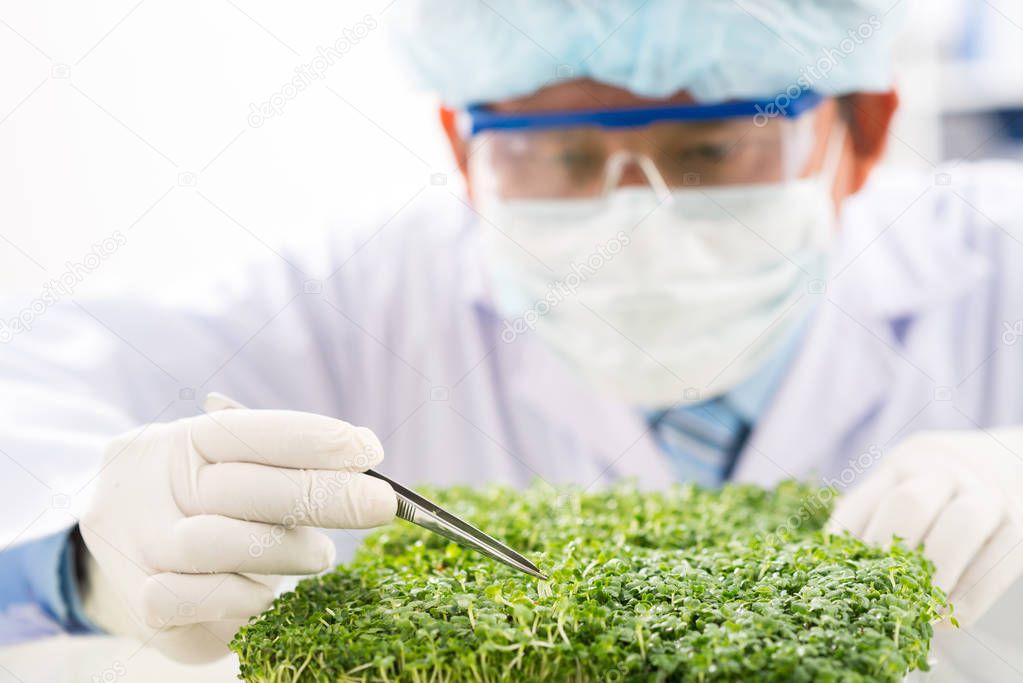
(39, 589)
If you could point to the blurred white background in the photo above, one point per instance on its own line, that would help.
(960, 74)
(138, 116)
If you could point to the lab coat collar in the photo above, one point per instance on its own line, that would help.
(475, 287)
(889, 269)
(752, 397)
(840, 376)
(905, 249)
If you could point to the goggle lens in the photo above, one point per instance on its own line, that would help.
(587, 161)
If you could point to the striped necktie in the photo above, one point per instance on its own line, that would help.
(703, 441)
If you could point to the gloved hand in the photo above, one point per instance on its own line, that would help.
(192, 519)
(961, 495)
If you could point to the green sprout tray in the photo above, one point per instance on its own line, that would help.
(736, 584)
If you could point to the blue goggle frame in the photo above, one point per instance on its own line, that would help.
(482, 118)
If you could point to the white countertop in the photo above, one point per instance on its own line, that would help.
(103, 659)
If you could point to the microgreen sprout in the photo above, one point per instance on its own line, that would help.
(683, 585)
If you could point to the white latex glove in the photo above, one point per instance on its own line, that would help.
(191, 519)
(958, 493)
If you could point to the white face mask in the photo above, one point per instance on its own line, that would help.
(651, 298)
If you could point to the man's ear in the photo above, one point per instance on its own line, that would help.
(459, 146)
(869, 118)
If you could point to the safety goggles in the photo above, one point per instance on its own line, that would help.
(581, 154)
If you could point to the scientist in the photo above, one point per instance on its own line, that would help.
(660, 273)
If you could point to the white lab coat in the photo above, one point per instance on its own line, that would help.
(390, 326)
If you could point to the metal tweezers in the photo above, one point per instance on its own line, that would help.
(414, 508)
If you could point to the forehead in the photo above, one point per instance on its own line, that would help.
(582, 93)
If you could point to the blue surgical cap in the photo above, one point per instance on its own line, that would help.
(469, 51)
